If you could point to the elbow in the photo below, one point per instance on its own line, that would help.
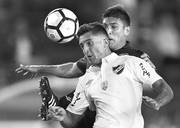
(171, 95)
(165, 93)
(168, 90)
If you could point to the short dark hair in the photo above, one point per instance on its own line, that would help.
(94, 27)
(117, 12)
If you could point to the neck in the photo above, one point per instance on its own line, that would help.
(120, 45)
(107, 52)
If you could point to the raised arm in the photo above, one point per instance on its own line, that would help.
(164, 95)
(67, 70)
(150, 79)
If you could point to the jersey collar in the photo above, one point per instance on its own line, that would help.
(125, 47)
(94, 68)
(110, 58)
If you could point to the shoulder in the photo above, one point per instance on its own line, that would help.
(91, 73)
(133, 59)
(131, 51)
(129, 59)
(135, 52)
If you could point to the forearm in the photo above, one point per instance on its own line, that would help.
(58, 70)
(67, 70)
(165, 93)
(69, 121)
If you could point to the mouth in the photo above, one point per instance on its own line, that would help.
(89, 57)
(110, 39)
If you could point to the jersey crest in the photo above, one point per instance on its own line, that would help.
(118, 69)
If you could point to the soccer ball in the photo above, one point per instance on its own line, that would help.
(61, 25)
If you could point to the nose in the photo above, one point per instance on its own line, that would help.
(109, 30)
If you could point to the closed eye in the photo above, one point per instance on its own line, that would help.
(81, 46)
(89, 43)
(114, 26)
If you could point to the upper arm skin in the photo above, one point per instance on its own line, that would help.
(74, 71)
(68, 70)
(164, 92)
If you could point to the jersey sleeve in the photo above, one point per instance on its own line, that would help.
(143, 72)
(135, 52)
(79, 102)
(142, 55)
(146, 57)
(82, 64)
(66, 100)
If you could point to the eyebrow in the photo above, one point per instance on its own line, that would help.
(113, 23)
(86, 40)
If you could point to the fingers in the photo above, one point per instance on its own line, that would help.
(151, 102)
(55, 110)
(20, 68)
(148, 99)
(25, 73)
(24, 69)
(56, 113)
(17, 69)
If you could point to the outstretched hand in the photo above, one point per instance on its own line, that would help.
(151, 103)
(27, 69)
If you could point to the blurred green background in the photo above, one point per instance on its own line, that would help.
(155, 30)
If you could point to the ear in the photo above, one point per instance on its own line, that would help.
(126, 30)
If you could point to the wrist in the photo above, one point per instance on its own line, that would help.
(158, 104)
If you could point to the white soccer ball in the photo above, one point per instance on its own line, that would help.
(61, 25)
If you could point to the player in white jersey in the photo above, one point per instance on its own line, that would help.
(114, 90)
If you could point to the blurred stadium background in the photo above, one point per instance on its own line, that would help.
(155, 29)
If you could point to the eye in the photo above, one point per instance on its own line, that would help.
(114, 27)
(89, 43)
(81, 46)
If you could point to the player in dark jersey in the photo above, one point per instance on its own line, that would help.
(117, 23)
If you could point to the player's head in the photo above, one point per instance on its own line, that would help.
(117, 24)
(93, 39)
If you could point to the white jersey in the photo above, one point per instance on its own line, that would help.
(115, 91)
